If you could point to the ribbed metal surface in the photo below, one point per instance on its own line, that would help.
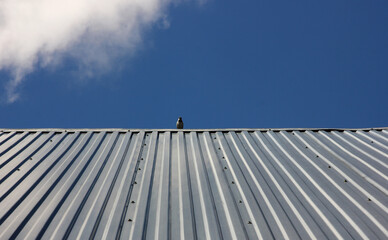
(159, 184)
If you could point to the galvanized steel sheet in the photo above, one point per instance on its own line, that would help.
(193, 184)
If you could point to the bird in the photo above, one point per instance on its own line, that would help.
(179, 123)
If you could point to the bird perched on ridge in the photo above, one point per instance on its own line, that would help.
(179, 123)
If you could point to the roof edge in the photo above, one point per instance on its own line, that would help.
(187, 130)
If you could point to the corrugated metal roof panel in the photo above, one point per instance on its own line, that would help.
(194, 184)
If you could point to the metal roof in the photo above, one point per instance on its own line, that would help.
(194, 184)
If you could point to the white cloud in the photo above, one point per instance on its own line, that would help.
(38, 33)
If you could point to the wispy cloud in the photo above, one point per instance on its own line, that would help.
(39, 33)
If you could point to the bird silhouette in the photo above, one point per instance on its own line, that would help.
(179, 123)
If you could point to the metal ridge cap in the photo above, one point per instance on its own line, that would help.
(184, 130)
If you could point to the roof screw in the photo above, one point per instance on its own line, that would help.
(133, 202)
(346, 180)
(215, 138)
(249, 222)
(225, 168)
(135, 182)
(223, 157)
(219, 148)
(139, 169)
(145, 144)
(142, 159)
(232, 182)
(369, 199)
(307, 147)
(51, 140)
(371, 141)
(329, 166)
(317, 156)
(129, 220)
(18, 169)
(30, 158)
(240, 201)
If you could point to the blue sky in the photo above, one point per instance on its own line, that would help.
(222, 64)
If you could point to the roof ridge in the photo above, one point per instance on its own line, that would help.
(189, 130)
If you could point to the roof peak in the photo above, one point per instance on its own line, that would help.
(189, 130)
